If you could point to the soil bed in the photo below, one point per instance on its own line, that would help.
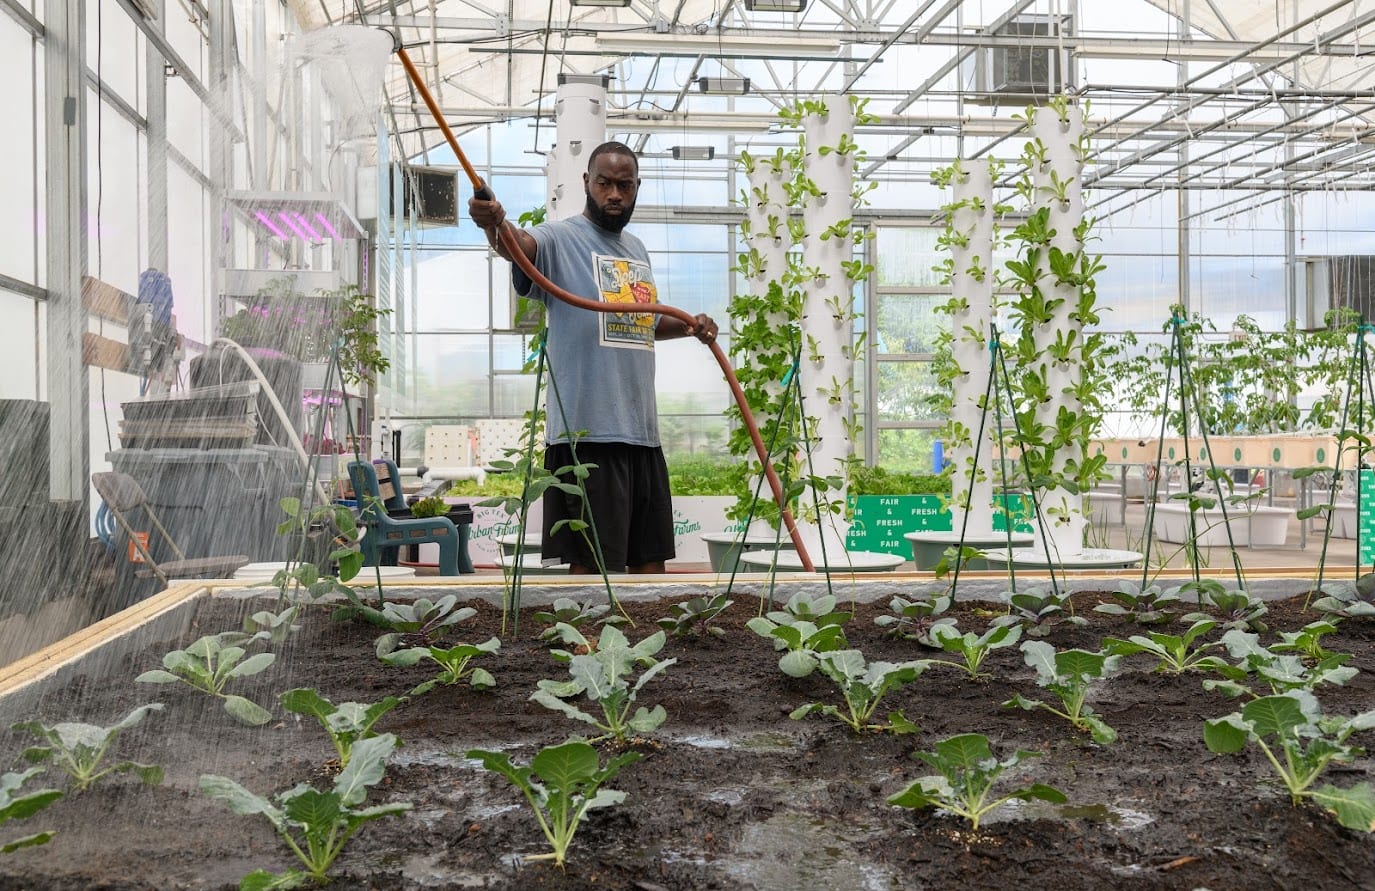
(731, 793)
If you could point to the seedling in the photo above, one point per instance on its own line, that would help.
(604, 676)
(454, 663)
(562, 784)
(270, 626)
(967, 771)
(1236, 609)
(208, 665)
(1307, 641)
(346, 723)
(315, 825)
(803, 634)
(915, 619)
(568, 611)
(1176, 652)
(1069, 674)
(1349, 600)
(17, 806)
(974, 648)
(694, 615)
(418, 623)
(1144, 606)
(1038, 610)
(863, 686)
(80, 749)
(1278, 671)
(1300, 742)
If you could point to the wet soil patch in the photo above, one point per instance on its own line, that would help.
(731, 793)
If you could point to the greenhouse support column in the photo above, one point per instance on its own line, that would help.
(1059, 187)
(828, 369)
(973, 284)
(580, 121)
(64, 129)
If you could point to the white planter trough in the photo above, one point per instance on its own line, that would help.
(1260, 526)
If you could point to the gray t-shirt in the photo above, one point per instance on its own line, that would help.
(601, 365)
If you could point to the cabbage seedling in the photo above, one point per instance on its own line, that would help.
(1349, 600)
(453, 662)
(569, 612)
(803, 628)
(1069, 675)
(1038, 610)
(208, 665)
(80, 749)
(914, 619)
(1307, 641)
(604, 676)
(695, 614)
(863, 686)
(1300, 742)
(973, 647)
(1176, 652)
(422, 621)
(18, 806)
(346, 723)
(1145, 606)
(315, 825)
(1279, 672)
(562, 784)
(1237, 609)
(967, 770)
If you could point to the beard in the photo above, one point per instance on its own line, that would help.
(610, 222)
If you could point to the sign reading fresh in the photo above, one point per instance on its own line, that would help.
(880, 521)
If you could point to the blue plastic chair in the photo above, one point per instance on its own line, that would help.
(387, 532)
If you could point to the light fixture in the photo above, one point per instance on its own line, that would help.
(617, 3)
(694, 152)
(791, 47)
(770, 5)
(726, 86)
(680, 123)
(591, 80)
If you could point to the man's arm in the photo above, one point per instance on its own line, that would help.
(668, 328)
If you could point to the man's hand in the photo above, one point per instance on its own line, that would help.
(486, 214)
(703, 328)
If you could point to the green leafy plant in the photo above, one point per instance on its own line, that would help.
(567, 611)
(695, 614)
(1176, 653)
(17, 805)
(336, 528)
(863, 685)
(915, 619)
(1038, 610)
(1300, 742)
(269, 626)
(966, 772)
(973, 648)
(1348, 600)
(454, 664)
(360, 352)
(208, 665)
(1236, 609)
(1307, 641)
(315, 825)
(603, 673)
(80, 749)
(805, 627)
(1069, 674)
(1145, 606)
(346, 723)
(1278, 672)
(432, 506)
(417, 623)
(562, 783)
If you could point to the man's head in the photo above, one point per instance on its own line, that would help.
(611, 182)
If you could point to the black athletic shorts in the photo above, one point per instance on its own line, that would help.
(628, 509)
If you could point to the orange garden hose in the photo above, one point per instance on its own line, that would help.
(508, 240)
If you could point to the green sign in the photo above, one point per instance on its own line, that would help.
(879, 522)
(1365, 523)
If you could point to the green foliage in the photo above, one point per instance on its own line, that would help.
(698, 475)
(695, 614)
(1176, 653)
(567, 611)
(1144, 606)
(1307, 641)
(966, 771)
(1300, 742)
(915, 619)
(333, 520)
(805, 627)
(454, 664)
(433, 506)
(346, 723)
(876, 480)
(360, 352)
(80, 749)
(562, 783)
(497, 485)
(419, 622)
(315, 825)
(1038, 610)
(1235, 609)
(269, 626)
(973, 648)
(1069, 674)
(17, 805)
(1348, 600)
(1276, 670)
(603, 673)
(862, 686)
(208, 665)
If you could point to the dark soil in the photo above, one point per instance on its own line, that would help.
(730, 794)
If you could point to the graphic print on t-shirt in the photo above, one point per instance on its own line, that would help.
(623, 280)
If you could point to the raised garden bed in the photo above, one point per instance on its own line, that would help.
(731, 793)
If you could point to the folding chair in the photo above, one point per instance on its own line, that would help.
(386, 531)
(123, 495)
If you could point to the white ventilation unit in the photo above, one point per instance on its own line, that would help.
(1026, 72)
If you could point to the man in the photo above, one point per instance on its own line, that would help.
(601, 401)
